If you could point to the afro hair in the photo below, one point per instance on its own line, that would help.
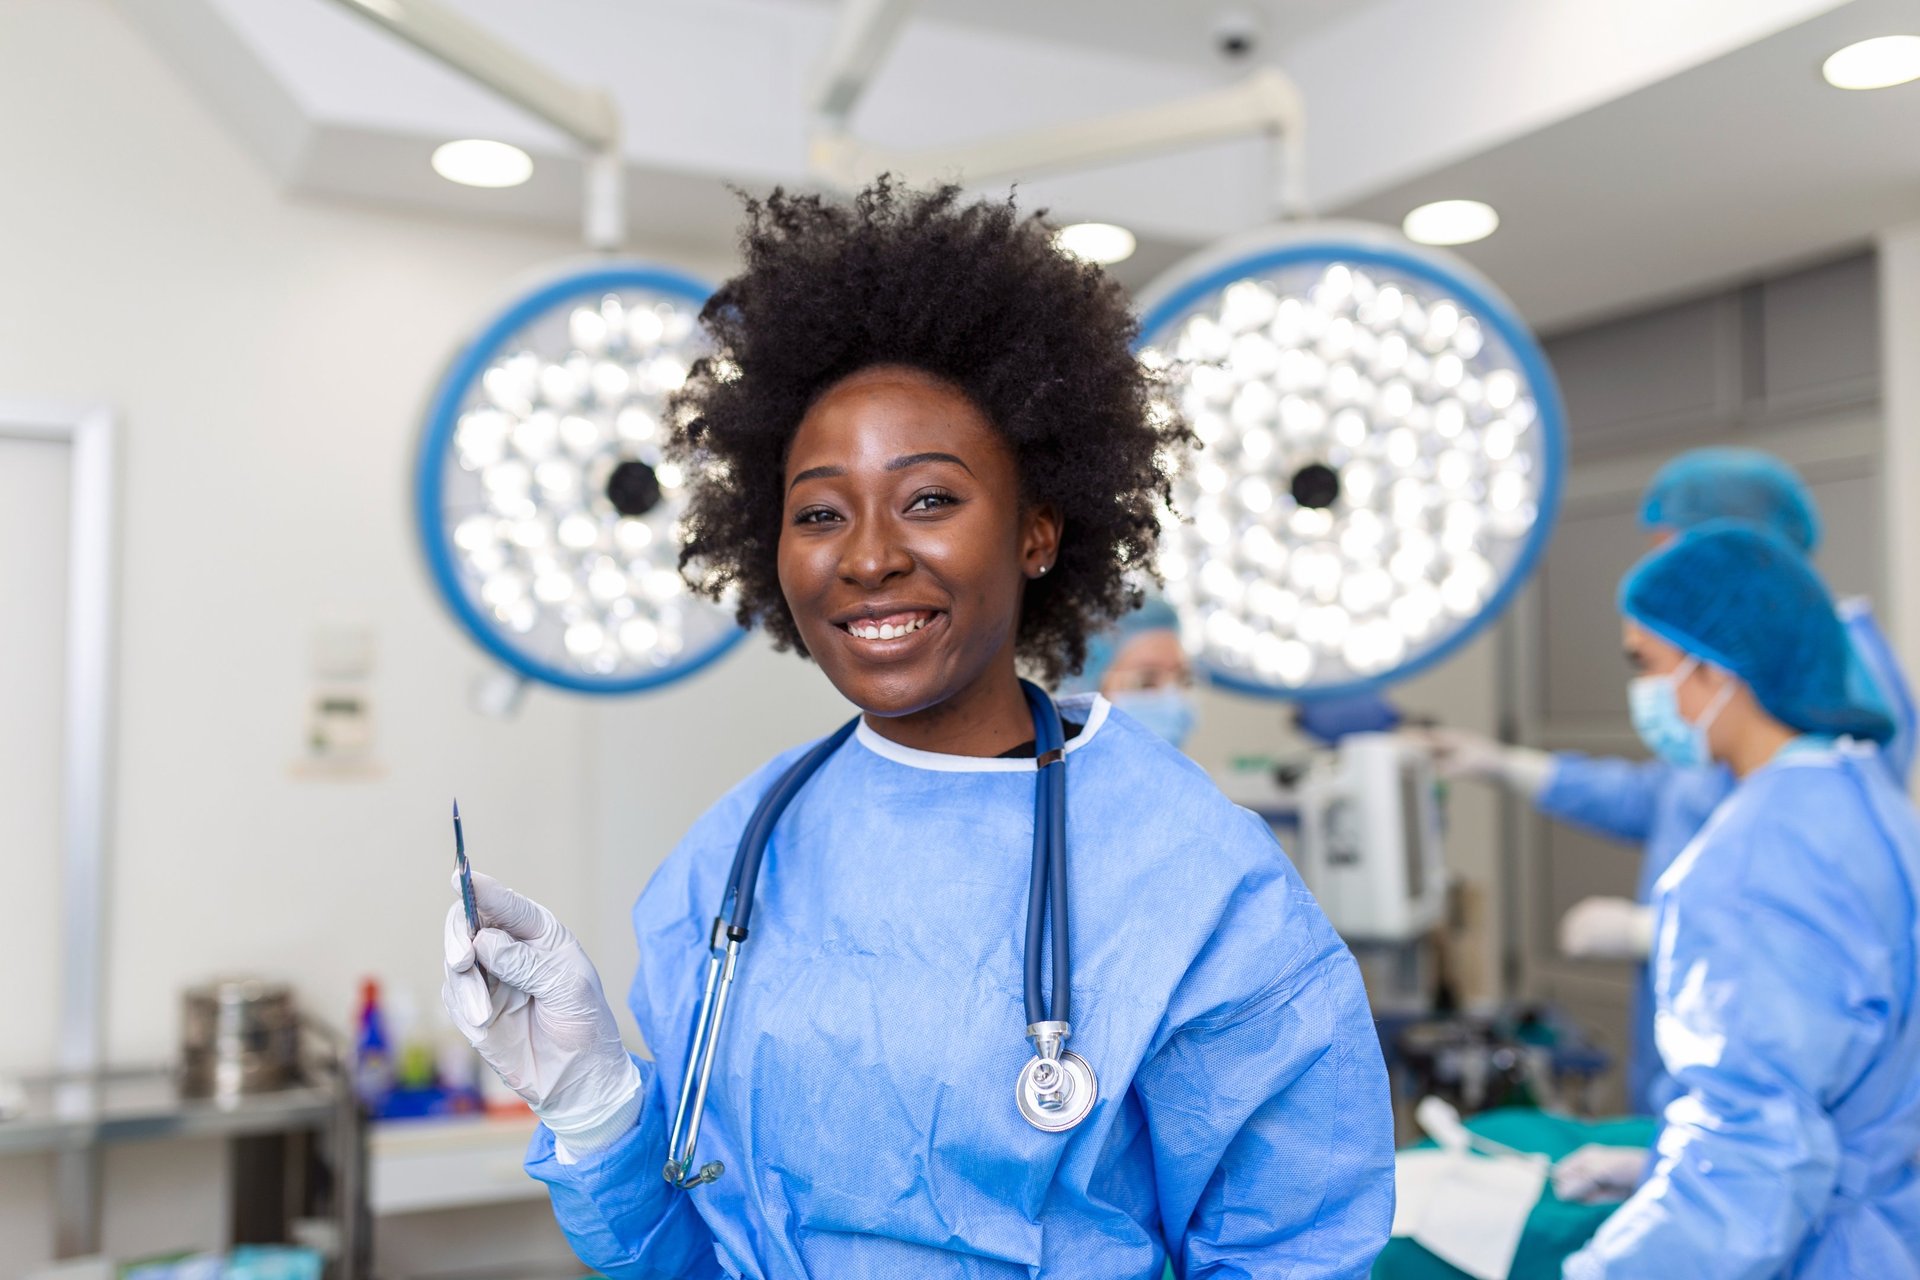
(974, 294)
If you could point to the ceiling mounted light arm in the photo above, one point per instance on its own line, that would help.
(863, 36)
(1265, 102)
(589, 116)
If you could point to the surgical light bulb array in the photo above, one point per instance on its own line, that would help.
(1374, 470)
(557, 509)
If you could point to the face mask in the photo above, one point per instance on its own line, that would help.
(1168, 712)
(1655, 705)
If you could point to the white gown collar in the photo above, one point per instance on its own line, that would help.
(1088, 708)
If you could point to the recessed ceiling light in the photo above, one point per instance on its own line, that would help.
(478, 162)
(1451, 222)
(1100, 242)
(1879, 63)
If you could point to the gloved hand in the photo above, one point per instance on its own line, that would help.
(524, 994)
(1596, 1173)
(1607, 929)
(1459, 753)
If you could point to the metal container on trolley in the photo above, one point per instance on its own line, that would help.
(238, 1036)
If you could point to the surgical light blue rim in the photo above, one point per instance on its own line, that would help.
(429, 484)
(1490, 310)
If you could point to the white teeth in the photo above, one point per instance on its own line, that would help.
(884, 630)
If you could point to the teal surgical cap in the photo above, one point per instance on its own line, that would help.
(1154, 614)
(1739, 598)
(1733, 484)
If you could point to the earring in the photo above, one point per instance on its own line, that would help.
(1042, 571)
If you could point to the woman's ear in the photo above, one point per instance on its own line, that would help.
(1040, 540)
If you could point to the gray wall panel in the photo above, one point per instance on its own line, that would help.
(1661, 370)
(1820, 334)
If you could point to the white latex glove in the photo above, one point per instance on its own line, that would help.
(1596, 1173)
(1459, 753)
(525, 995)
(1607, 929)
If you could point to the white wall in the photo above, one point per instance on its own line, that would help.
(269, 361)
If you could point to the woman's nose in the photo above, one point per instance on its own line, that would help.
(873, 554)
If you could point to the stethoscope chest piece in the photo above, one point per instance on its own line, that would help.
(1056, 1089)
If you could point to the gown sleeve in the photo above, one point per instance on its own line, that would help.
(1271, 1124)
(617, 1212)
(1766, 1010)
(1617, 798)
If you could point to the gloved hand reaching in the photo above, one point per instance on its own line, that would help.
(1460, 753)
(1597, 1173)
(524, 994)
(1607, 929)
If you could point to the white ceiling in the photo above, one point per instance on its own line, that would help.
(1741, 165)
(1635, 149)
(1174, 30)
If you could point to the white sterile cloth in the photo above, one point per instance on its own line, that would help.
(1465, 1209)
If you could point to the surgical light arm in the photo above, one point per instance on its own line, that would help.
(588, 115)
(1265, 102)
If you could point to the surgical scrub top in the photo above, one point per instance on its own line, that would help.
(1661, 808)
(1786, 957)
(863, 1100)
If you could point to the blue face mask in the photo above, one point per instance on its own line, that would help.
(1654, 702)
(1167, 711)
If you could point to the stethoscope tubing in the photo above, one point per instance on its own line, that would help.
(1048, 883)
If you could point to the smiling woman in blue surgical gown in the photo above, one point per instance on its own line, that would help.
(926, 459)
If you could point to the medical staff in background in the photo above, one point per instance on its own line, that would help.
(1786, 940)
(1656, 804)
(1140, 666)
(924, 456)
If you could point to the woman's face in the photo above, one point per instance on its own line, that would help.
(905, 548)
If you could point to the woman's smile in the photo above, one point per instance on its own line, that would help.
(887, 632)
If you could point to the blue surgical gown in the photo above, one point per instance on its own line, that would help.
(1661, 808)
(863, 1101)
(1786, 956)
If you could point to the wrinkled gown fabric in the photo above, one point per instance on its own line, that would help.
(1661, 808)
(1786, 955)
(863, 1101)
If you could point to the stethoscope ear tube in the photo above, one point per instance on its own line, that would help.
(723, 957)
(753, 841)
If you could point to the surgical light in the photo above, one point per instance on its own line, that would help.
(1380, 464)
(1447, 222)
(479, 162)
(548, 514)
(1100, 242)
(1879, 63)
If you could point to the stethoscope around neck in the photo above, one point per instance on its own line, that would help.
(1056, 1088)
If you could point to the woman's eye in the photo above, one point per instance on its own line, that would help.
(931, 501)
(815, 515)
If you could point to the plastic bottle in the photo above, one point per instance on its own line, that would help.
(372, 1059)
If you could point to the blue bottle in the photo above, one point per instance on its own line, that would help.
(372, 1059)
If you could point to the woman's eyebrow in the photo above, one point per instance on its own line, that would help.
(817, 473)
(915, 459)
(898, 464)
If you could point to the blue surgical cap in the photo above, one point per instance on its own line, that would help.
(1733, 595)
(1733, 484)
(1154, 614)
